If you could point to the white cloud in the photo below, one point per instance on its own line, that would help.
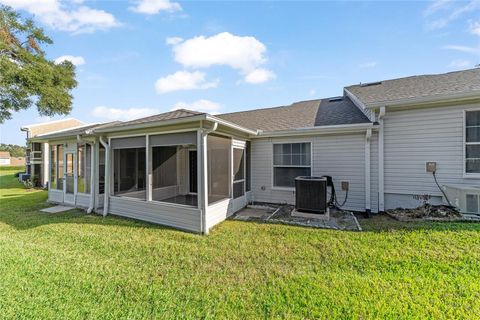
(201, 105)
(460, 64)
(155, 6)
(245, 54)
(173, 40)
(122, 114)
(466, 49)
(475, 28)
(368, 64)
(259, 75)
(66, 16)
(75, 60)
(451, 12)
(184, 80)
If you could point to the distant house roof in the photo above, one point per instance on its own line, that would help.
(304, 114)
(76, 131)
(452, 83)
(4, 155)
(51, 126)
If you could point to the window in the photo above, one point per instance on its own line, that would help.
(218, 161)
(290, 160)
(238, 172)
(472, 142)
(129, 173)
(83, 166)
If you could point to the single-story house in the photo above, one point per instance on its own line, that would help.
(4, 158)
(379, 141)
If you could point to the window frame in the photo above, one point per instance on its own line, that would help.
(467, 175)
(273, 165)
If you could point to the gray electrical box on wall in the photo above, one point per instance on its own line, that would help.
(431, 166)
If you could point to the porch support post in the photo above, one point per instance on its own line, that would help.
(367, 172)
(148, 155)
(93, 157)
(95, 176)
(107, 176)
(381, 181)
(202, 180)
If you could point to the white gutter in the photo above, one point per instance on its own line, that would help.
(343, 128)
(106, 188)
(204, 201)
(381, 179)
(230, 125)
(368, 137)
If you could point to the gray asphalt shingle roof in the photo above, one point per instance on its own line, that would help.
(432, 85)
(175, 114)
(304, 114)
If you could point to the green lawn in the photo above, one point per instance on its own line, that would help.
(74, 265)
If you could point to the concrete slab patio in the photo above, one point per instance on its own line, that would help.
(339, 220)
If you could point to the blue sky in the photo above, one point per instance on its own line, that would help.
(136, 58)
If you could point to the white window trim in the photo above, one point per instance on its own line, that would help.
(273, 166)
(467, 175)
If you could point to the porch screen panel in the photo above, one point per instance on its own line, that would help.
(60, 167)
(164, 167)
(53, 167)
(129, 143)
(218, 165)
(238, 172)
(84, 154)
(174, 139)
(129, 173)
(101, 169)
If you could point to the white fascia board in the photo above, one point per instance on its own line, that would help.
(421, 101)
(344, 128)
(53, 134)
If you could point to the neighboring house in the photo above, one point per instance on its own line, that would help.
(4, 158)
(191, 170)
(36, 160)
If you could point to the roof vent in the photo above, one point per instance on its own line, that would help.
(335, 99)
(369, 84)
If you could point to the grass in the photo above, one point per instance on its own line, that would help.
(73, 265)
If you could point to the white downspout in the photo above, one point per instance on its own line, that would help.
(203, 138)
(381, 179)
(368, 137)
(106, 188)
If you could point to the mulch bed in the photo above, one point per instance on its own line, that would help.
(431, 213)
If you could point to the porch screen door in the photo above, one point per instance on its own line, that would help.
(69, 186)
(192, 164)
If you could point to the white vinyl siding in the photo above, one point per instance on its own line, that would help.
(341, 156)
(181, 217)
(415, 136)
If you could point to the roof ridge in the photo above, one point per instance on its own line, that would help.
(418, 76)
(269, 108)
